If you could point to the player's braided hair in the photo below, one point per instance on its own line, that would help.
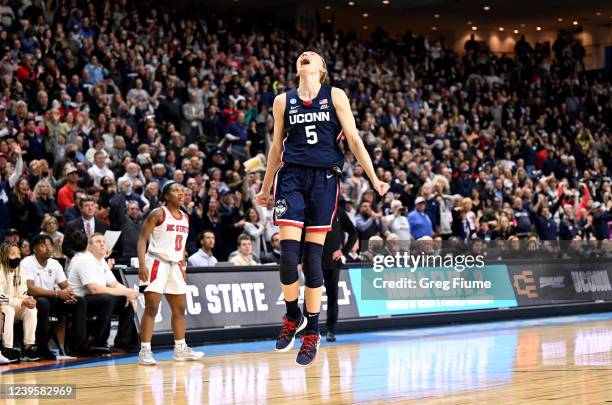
(166, 189)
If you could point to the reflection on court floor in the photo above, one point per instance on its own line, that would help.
(502, 362)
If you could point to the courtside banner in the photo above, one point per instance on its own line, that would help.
(232, 299)
(559, 282)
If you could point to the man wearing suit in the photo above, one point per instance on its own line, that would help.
(334, 250)
(87, 223)
(274, 255)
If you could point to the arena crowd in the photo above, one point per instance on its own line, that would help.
(105, 102)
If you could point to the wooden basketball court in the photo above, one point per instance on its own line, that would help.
(560, 360)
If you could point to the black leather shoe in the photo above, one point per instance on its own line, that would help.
(102, 351)
(47, 354)
(80, 352)
(126, 348)
(331, 337)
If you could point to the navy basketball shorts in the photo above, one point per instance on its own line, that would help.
(305, 197)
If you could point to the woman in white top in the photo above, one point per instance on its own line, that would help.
(19, 306)
(256, 230)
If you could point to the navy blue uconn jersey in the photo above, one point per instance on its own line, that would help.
(313, 131)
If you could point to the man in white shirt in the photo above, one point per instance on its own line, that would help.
(99, 169)
(92, 278)
(204, 257)
(244, 255)
(47, 283)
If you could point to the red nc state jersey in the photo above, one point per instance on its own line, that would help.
(168, 239)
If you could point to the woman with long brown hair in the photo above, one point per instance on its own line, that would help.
(23, 209)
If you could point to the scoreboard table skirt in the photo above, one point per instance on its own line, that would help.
(227, 303)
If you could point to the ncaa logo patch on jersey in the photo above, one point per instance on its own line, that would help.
(281, 208)
(293, 101)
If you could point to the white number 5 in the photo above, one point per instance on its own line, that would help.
(311, 135)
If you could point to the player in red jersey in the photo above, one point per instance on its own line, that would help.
(161, 267)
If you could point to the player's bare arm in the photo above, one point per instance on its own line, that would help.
(154, 219)
(345, 116)
(274, 156)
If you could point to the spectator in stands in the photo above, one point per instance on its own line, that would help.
(237, 134)
(397, 221)
(47, 283)
(522, 218)
(231, 223)
(244, 255)
(91, 277)
(130, 225)
(44, 200)
(7, 182)
(419, 221)
(12, 237)
(23, 210)
(24, 247)
(132, 174)
(87, 223)
(368, 221)
(465, 183)
(19, 307)
(100, 169)
(542, 216)
(204, 256)
(65, 196)
(49, 227)
(568, 228)
(601, 217)
(255, 228)
(273, 256)
(73, 212)
(193, 111)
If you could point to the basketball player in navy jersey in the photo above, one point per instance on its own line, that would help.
(304, 165)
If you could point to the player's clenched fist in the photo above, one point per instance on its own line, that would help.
(262, 198)
(381, 187)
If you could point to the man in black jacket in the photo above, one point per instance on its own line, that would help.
(274, 255)
(131, 226)
(600, 221)
(333, 252)
(87, 223)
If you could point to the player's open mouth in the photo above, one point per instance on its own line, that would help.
(304, 61)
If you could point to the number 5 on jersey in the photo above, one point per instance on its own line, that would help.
(311, 134)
